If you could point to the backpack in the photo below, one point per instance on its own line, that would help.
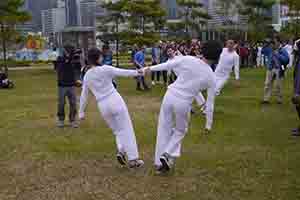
(284, 57)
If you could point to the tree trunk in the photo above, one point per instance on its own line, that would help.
(4, 49)
(143, 24)
(297, 21)
(117, 41)
(186, 22)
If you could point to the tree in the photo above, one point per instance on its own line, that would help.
(145, 19)
(145, 15)
(293, 27)
(194, 15)
(111, 22)
(141, 20)
(259, 22)
(10, 16)
(228, 11)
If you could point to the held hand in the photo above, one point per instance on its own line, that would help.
(141, 72)
(147, 70)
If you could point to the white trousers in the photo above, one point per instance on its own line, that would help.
(259, 61)
(221, 81)
(172, 126)
(291, 60)
(200, 99)
(115, 113)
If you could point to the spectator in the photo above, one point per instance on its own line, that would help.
(277, 57)
(296, 96)
(289, 48)
(259, 57)
(108, 59)
(107, 55)
(133, 52)
(244, 53)
(155, 60)
(139, 61)
(66, 82)
(164, 58)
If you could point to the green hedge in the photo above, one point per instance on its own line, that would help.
(14, 63)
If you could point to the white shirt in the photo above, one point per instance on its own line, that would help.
(259, 49)
(99, 81)
(193, 75)
(226, 62)
(289, 49)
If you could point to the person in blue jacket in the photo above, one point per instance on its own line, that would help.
(276, 60)
(139, 61)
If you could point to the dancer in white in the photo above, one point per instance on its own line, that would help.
(193, 75)
(98, 80)
(228, 59)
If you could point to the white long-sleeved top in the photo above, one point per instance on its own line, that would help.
(226, 62)
(99, 81)
(289, 49)
(193, 75)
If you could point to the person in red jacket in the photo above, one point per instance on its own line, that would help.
(244, 54)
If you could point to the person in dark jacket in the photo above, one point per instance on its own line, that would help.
(296, 96)
(66, 81)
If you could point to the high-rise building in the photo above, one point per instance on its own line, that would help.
(73, 12)
(88, 12)
(280, 16)
(35, 7)
(61, 3)
(173, 9)
(53, 20)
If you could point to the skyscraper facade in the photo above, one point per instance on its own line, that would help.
(88, 12)
(35, 7)
(72, 12)
(53, 20)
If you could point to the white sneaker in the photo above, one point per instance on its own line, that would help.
(135, 164)
(74, 124)
(60, 124)
(153, 83)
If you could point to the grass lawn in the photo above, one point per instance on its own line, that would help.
(250, 154)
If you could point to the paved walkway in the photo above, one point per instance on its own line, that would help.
(29, 68)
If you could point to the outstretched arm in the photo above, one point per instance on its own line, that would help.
(237, 67)
(123, 72)
(211, 92)
(83, 100)
(169, 65)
